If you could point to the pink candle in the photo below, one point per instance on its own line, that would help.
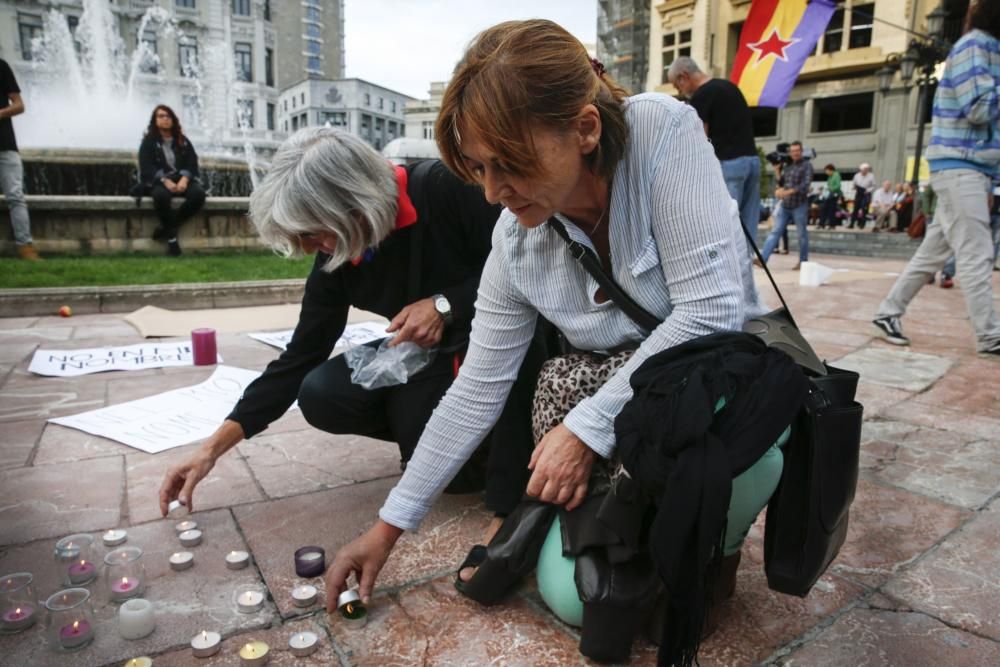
(81, 572)
(203, 347)
(76, 634)
(18, 618)
(124, 589)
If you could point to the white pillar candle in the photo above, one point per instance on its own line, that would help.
(187, 524)
(181, 560)
(190, 538)
(249, 602)
(254, 654)
(206, 644)
(177, 510)
(304, 595)
(113, 538)
(237, 560)
(303, 644)
(136, 619)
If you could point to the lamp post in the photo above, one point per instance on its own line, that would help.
(921, 58)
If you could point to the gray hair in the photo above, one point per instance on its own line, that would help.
(323, 179)
(683, 65)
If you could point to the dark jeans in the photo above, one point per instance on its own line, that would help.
(828, 213)
(331, 402)
(170, 220)
(860, 213)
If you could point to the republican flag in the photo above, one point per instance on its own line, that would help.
(777, 37)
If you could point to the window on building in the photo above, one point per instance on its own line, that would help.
(392, 130)
(269, 67)
(833, 38)
(313, 30)
(270, 115)
(190, 111)
(243, 59)
(187, 55)
(313, 64)
(29, 28)
(302, 99)
(861, 26)
(675, 45)
(241, 7)
(312, 14)
(244, 114)
(368, 100)
(846, 112)
(379, 125)
(267, 17)
(366, 127)
(303, 120)
(149, 62)
(428, 129)
(335, 118)
(286, 126)
(733, 45)
(765, 121)
(313, 47)
(185, 4)
(294, 99)
(381, 103)
(393, 106)
(286, 104)
(295, 123)
(73, 22)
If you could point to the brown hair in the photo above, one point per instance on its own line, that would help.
(175, 130)
(520, 73)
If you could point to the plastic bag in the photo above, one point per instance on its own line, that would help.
(386, 366)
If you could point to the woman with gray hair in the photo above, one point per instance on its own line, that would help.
(408, 243)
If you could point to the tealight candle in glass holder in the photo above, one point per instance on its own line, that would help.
(70, 619)
(18, 604)
(352, 612)
(74, 556)
(124, 573)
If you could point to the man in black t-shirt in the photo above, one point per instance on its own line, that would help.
(11, 169)
(729, 126)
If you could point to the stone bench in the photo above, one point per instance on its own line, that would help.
(93, 225)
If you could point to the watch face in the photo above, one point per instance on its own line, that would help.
(442, 305)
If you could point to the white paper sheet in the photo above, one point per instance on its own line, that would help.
(70, 363)
(171, 419)
(354, 334)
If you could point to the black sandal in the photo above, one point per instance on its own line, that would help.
(475, 558)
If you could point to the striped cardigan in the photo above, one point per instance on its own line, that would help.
(966, 116)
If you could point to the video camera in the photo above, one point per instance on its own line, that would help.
(782, 156)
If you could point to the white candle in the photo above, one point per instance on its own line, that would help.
(254, 653)
(303, 644)
(190, 538)
(113, 538)
(187, 524)
(237, 560)
(141, 661)
(249, 602)
(136, 619)
(206, 644)
(304, 595)
(181, 560)
(177, 510)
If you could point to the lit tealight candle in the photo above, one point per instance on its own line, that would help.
(17, 618)
(113, 538)
(237, 560)
(190, 538)
(76, 634)
(181, 560)
(141, 661)
(254, 653)
(304, 595)
(82, 572)
(124, 589)
(351, 610)
(206, 644)
(177, 510)
(303, 644)
(187, 524)
(249, 602)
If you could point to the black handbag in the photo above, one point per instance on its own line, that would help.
(808, 514)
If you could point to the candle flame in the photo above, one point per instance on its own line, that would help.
(76, 625)
(301, 638)
(204, 634)
(18, 611)
(124, 581)
(82, 563)
(350, 608)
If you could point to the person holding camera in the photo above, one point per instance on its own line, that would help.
(793, 191)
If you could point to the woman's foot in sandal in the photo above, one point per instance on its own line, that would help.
(467, 571)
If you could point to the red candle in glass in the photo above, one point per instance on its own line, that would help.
(81, 572)
(203, 347)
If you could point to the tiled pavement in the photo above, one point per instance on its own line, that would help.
(918, 582)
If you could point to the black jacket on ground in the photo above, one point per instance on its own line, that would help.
(455, 228)
(153, 164)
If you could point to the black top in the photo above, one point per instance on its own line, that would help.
(8, 85)
(153, 163)
(722, 106)
(454, 227)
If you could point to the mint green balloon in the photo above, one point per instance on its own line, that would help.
(555, 579)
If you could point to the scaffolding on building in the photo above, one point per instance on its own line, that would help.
(623, 41)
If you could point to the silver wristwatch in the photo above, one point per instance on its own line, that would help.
(443, 307)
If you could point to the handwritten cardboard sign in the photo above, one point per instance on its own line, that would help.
(70, 363)
(354, 334)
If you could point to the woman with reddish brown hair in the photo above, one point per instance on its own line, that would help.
(632, 182)
(168, 168)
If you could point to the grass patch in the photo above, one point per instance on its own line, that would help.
(138, 269)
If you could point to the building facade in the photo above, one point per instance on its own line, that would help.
(421, 115)
(219, 63)
(836, 106)
(365, 109)
(623, 41)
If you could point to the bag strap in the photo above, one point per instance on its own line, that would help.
(645, 319)
(586, 257)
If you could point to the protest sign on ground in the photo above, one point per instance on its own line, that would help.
(70, 363)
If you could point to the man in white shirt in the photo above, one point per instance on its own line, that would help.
(864, 183)
(884, 207)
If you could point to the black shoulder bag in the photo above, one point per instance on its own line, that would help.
(808, 514)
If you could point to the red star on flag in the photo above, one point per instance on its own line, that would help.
(774, 45)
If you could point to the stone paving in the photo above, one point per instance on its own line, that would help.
(917, 583)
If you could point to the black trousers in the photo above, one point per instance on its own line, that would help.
(332, 403)
(170, 220)
(859, 215)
